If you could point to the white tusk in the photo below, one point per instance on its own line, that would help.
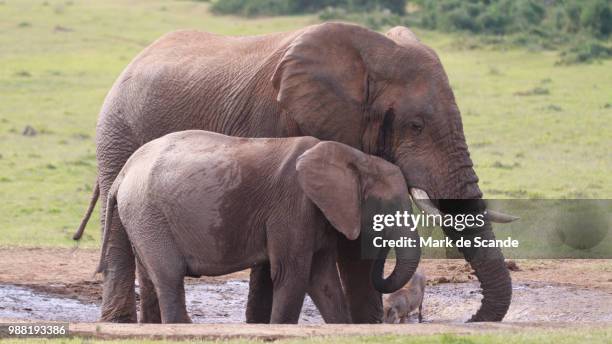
(422, 200)
(496, 216)
(419, 196)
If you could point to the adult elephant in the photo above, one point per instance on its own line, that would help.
(386, 95)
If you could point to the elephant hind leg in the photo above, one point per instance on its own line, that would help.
(118, 295)
(114, 147)
(164, 264)
(149, 305)
(326, 290)
(290, 279)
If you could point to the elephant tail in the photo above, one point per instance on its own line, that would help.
(111, 201)
(92, 204)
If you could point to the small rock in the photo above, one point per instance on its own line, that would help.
(29, 131)
(512, 266)
(59, 28)
(440, 280)
(23, 73)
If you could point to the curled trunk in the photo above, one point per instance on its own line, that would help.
(407, 261)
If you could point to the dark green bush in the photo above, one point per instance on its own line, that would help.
(502, 17)
(251, 8)
(597, 17)
(375, 19)
(280, 7)
(585, 52)
(579, 28)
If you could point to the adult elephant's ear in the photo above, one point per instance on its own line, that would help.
(322, 79)
(330, 181)
(402, 36)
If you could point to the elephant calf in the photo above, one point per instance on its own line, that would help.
(198, 203)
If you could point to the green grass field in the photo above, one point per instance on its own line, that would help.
(527, 337)
(535, 130)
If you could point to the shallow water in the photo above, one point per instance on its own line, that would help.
(24, 303)
(226, 302)
(206, 303)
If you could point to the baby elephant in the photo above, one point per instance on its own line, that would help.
(196, 203)
(402, 303)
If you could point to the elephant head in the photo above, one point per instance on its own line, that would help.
(349, 186)
(389, 95)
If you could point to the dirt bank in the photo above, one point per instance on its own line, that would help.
(58, 284)
(73, 270)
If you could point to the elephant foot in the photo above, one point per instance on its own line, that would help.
(120, 319)
(123, 309)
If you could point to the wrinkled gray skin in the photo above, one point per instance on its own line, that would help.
(399, 305)
(386, 95)
(179, 200)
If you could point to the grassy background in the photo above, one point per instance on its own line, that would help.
(535, 130)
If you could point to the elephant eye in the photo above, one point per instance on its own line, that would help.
(417, 127)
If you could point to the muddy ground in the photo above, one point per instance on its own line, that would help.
(58, 284)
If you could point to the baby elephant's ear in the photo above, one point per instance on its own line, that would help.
(328, 178)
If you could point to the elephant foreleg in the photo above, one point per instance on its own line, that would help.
(421, 312)
(365, 303)
(326, 290)
(259, 305)
(290, 279)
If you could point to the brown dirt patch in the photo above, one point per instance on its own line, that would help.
(69, 272)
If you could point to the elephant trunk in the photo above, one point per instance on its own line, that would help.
(487, 262)
(407, 261)
(494, 277)
(496, 290)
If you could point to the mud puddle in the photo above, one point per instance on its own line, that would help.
(534, 301)
(225, 303)
(24, 303)
(206, 303)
